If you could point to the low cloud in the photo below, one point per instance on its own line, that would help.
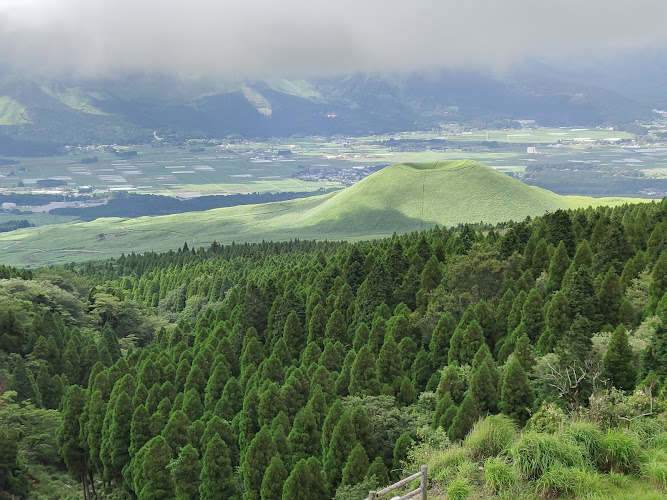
(260, 38)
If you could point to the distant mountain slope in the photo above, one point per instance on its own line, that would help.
(399, 198)
(130, 109)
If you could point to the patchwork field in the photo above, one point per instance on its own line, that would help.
(400, 198)
(229, 167)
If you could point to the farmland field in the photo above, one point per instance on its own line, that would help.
(229, 167)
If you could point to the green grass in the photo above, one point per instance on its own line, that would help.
(12, 112)
(541, 465)
(400, 198)
(74, 98)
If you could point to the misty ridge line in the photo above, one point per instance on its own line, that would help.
(300, 38)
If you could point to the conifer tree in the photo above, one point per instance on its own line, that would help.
(503, 310)
(361, 335)
(192, 405)
(516, 395)
(331, 358)
(274, 480)
(401, 448)
(451, 382)
(343, 380)
(557, 323)
(617, 363)
(333, 416)
(466, 416)
(119, 433)
(654, 356)
(185, 472)
(24, 383)
(139, 428)
(336, 330)
(560, 261)
(473, 338)
(294, 335)
(440, 339)
(280, 440)
(175, 432)
(317, 325)
(217, 476)
(378, 470)
(540, 261)
(532, 316)
(364, 431)
(91, 434)
(111, 342)
(304, 440)
(310, 354)
(306, 482)
(609, 298)
(271, 403)
(356, 466)
(389, 364)
(232, 398)
(524, 353)
(69, 430)
(214, 426)
(583, 256)
(483, 388)
(343, 439)
(445, 411)
(215, 386)
(363, 376)
(256, 460)
(580, 294)
(577, 343)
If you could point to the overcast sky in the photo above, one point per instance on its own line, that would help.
(258, 38)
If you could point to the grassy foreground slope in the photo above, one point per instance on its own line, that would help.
(399, 198)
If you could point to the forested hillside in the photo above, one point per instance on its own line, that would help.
(307, 370)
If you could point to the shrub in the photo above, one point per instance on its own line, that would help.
(586, 435)
(654, 468)
(458, 489)
(356, 491)
(620, 452)
(562, 480)
(498, 474)
(549, 418)
(535, 453)
(491, 436)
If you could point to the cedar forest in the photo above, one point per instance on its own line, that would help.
(302, 370)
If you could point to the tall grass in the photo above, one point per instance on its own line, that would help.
(536, 453)
(491, 436)
(586, 435)
(577, 481)
(620, 452)
(498, 474)
(654, 468)
(459, 489)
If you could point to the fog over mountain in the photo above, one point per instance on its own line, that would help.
(302, 38)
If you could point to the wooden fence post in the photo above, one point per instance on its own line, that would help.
(424, 482)
(373, 495)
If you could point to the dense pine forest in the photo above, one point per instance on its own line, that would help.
(308, 371)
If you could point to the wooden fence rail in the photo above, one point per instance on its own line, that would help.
(423, 486)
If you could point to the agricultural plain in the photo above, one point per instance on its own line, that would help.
(399, 198)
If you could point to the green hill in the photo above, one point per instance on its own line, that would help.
(399, 198)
